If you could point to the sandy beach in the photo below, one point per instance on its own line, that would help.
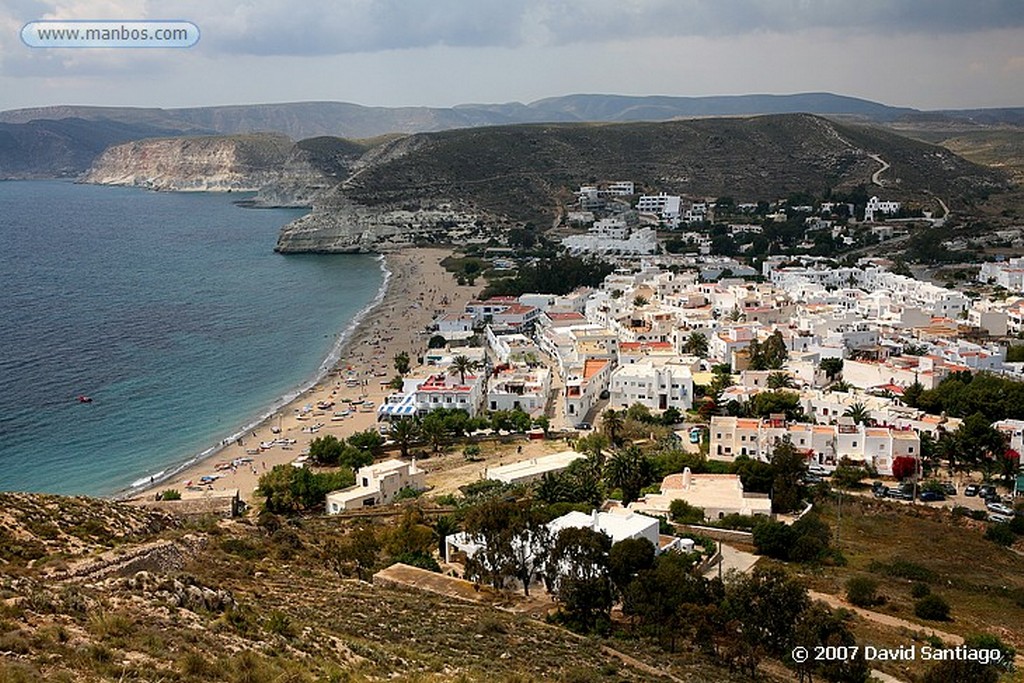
(419, 290)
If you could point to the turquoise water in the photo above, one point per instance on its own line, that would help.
(170, 310)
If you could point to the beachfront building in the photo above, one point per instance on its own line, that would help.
(717, 494)
(613, 236)
(377, 484)
(658, 386)
(519, 387)
(526, 471)
(422, 395)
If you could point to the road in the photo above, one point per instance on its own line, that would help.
(876, 176)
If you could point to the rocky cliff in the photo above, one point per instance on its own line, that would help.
(266, 163)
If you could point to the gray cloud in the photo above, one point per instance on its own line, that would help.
(275, 27)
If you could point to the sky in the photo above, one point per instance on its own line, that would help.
(927, 54)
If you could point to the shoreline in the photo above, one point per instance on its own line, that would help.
(414, 291)
(145, 484)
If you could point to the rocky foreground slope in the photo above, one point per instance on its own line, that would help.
(99, 591)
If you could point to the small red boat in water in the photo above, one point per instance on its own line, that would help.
(85, 399)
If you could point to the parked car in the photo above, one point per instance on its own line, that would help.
(583, 425)
(930, 496)
(881, 492)
(988, 491)
(1000, 509)
(949, 488)
(971, 490)
(898, 494)
(999, 518)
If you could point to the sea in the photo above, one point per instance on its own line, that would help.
(170, 311)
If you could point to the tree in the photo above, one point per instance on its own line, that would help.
(640, 301)
(444, 526)
(437, 342)
(766, 606)
(462, 364)
(514, 540)
(326, 449)
(859, 413)
(289, 490)
(771, 355)
(684, 513)
(932, 607)
(366, 440)
(781, 380)
(1009, 466)
(848, 475)
(819, 626)
(611, 423)
(404, 432)
(411, 535)
(432, 430)
(862, 591)
(627, 559)
(402, 362)
(789, 467)
(773, 539)
(357, 553)
(832, 367)
(630, 470)
(696, 344)
(577, 575)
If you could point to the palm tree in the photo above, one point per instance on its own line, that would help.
(443, 527)
(433, 431)
(780, 380)
(404, 432)
(630, 470)
(461, 364)
(859, 413)
(611, 422)
(841, 385)
(697, 344)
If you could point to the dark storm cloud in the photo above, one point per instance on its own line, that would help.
(281, 27)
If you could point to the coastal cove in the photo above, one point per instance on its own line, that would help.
(170, 311)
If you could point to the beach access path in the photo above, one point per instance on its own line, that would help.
(418, 291)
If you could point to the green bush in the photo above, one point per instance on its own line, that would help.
(862, 591)
(171, 494)
(1000, 533)
(901, 569)
(920, 590)
(932, 607)
(684, 513)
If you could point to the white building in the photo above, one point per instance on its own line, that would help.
(876, 206)
(656, 386)
(518, 387)
(526, 471)
(377, 484)
(718, 494)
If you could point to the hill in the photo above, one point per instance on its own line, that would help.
(54, 148)
(204, 600)
(520, 173)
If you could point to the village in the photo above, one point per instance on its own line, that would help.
(689, 415)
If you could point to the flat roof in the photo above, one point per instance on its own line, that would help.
(533, 467)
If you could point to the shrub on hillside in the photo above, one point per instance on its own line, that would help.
(932, 607)
(862, 591)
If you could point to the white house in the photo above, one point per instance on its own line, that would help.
(718, 494)
(526, 471)
(377, 484)
(656, 386)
